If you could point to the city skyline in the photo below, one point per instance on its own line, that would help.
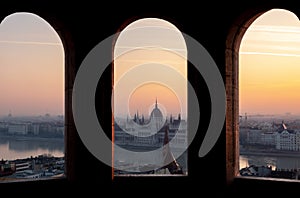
(269, 60)
(31, 67)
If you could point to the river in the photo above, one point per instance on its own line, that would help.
(12, 148)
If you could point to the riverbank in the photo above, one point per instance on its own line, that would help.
(29, 138)
(274, 153)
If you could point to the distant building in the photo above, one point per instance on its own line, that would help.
(60, 130)
(288, 140)
(7, 168)
(18, 128)
(281, 138)
(3, 127)
(36, 129)
(268, 138)
(138, 132)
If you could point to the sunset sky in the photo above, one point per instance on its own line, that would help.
(150, 62)
(269, 65)
(31, 67)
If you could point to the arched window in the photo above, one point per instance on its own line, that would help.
(32, 99)
(269, 95)
(150, 99)
(262, 138)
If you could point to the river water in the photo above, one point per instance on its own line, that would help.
(12, 148)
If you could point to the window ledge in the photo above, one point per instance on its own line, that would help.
(266, 179)
(20, 180)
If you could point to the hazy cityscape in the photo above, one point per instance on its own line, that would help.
(270, 146)
(168, 136)
(31, 147)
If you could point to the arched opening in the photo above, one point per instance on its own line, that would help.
(268, 96)
(32, 108)
(261, 74)
(150, 99)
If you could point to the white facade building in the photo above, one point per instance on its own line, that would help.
(286, 140)
(18, 128)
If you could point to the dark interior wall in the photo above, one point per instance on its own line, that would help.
(83, 25)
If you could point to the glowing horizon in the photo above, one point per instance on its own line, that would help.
(269, 65)
(31, 67)
(148, 64)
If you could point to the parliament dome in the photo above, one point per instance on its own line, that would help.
(156, 113)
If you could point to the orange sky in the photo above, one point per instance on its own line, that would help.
(150, 62)
(166, 100)
(31, 67)
(269, 65)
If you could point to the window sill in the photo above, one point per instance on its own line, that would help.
(265, 179)
(151, 175)
(44, 180)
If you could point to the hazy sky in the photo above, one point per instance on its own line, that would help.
(269, 65)
(150, 62)
(31, 67)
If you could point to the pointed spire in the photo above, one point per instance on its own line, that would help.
(156, 103)
(137, 117)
